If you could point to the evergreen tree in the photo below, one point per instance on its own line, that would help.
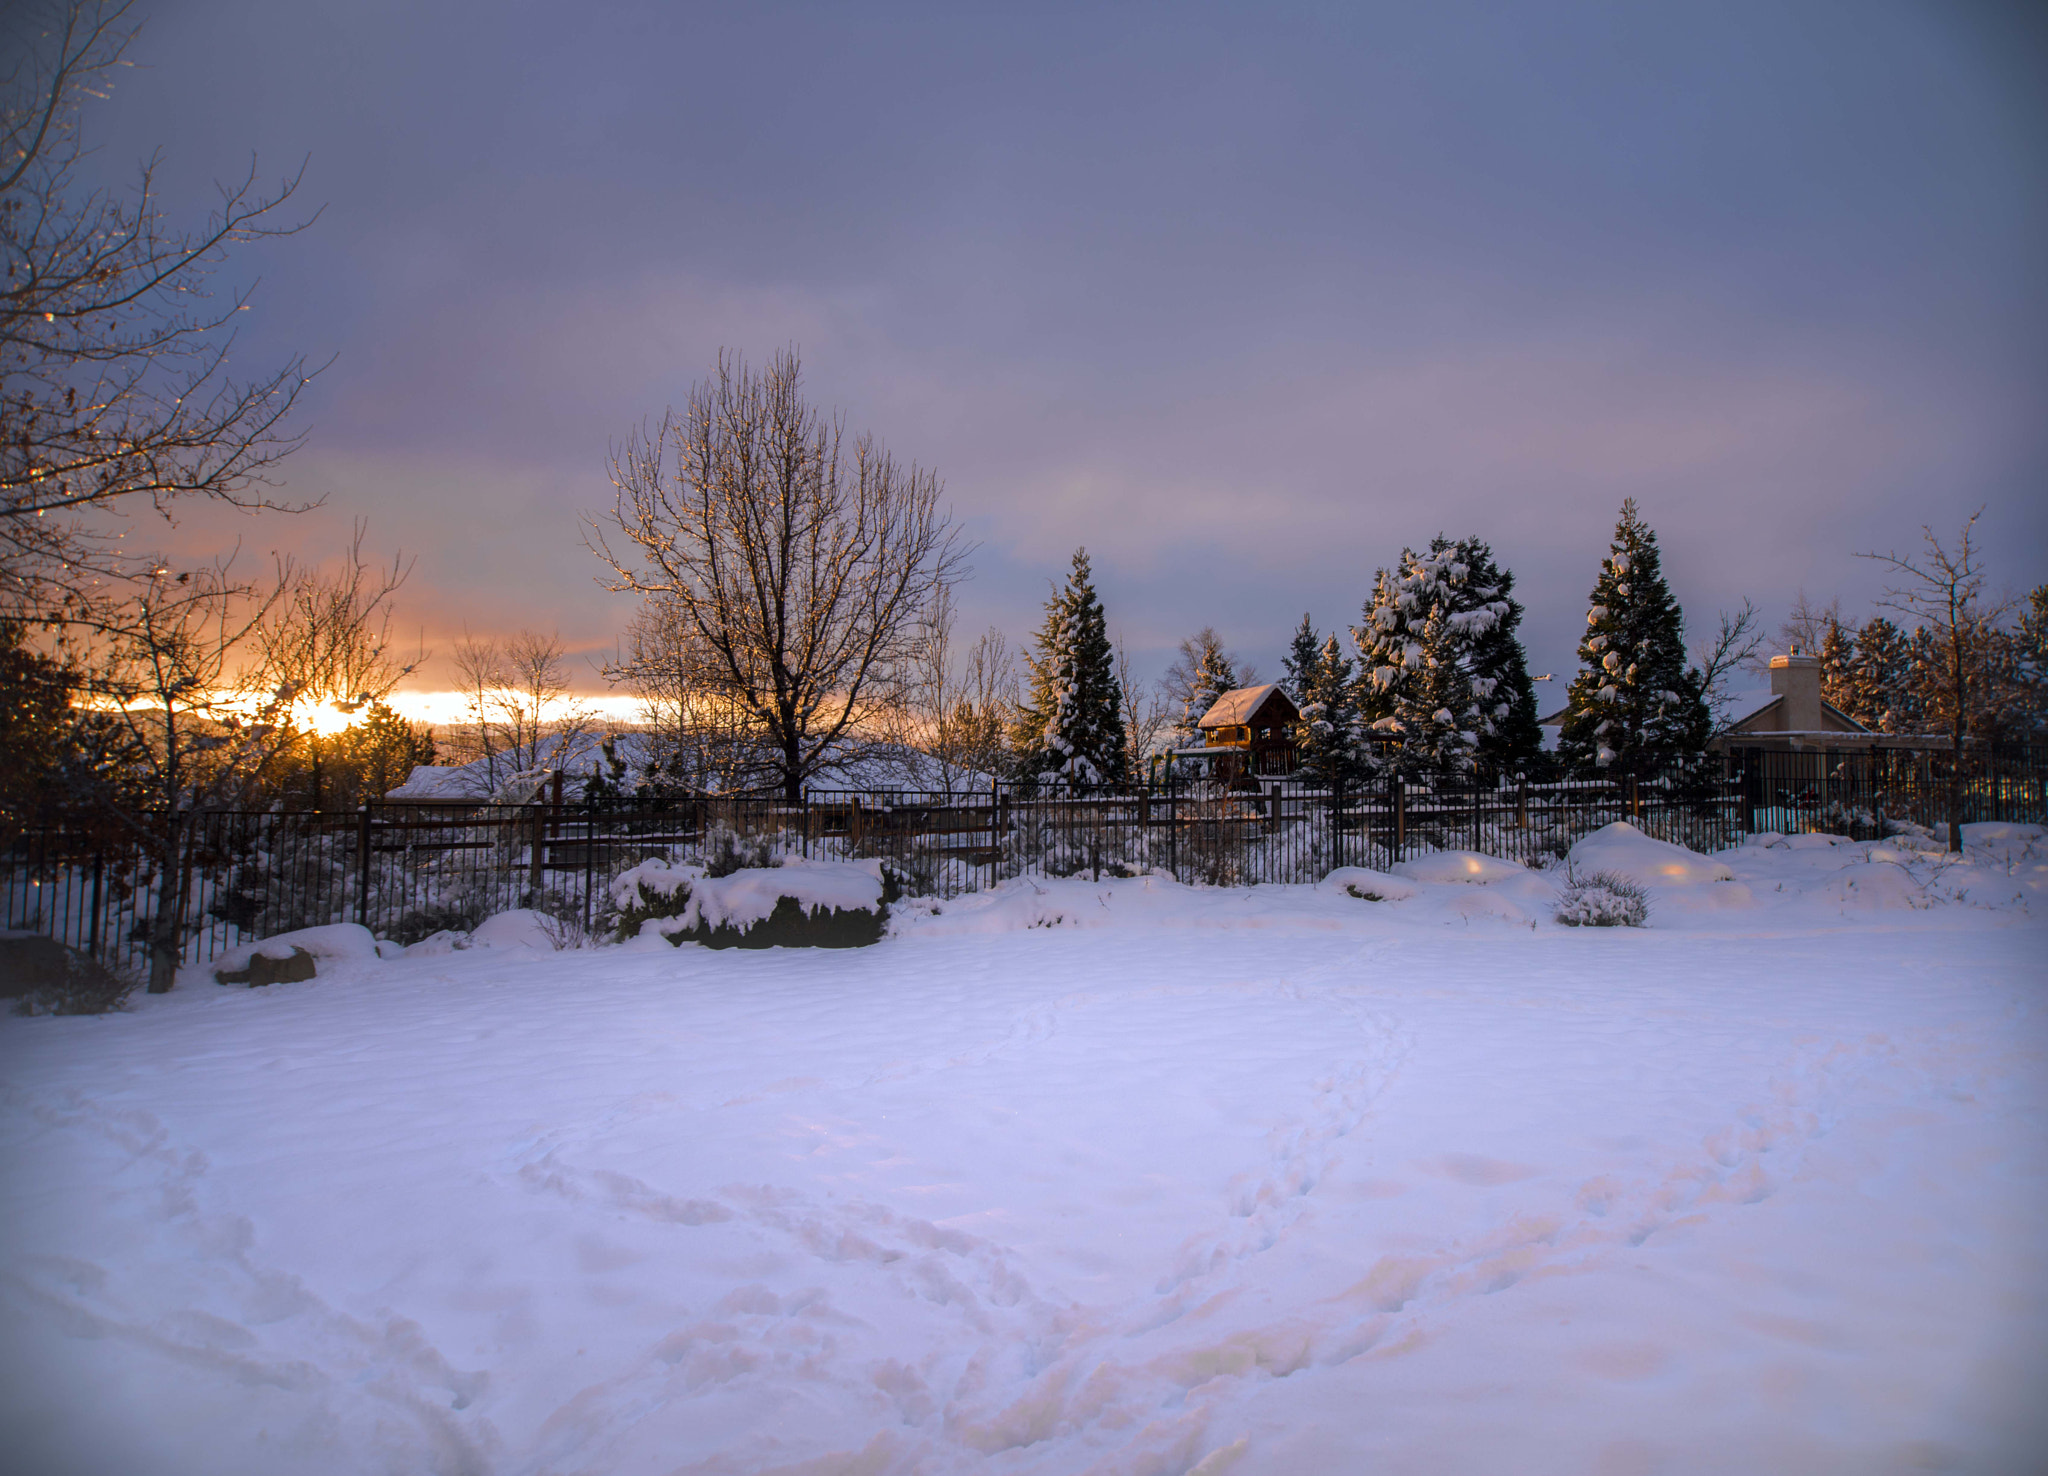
(1415, 654)
(1510, 738)
(1634, 706)
(1837, 655)
(2030, 659)
(385, 748)
(1071, 732)
(1336, 751)
(1304, 654)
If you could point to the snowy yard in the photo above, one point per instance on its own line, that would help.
(1271, 1181)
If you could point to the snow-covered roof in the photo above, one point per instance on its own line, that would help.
(440, 782)
(1237, 707)
(877, 766)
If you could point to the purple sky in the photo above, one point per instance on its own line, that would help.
(1243, 298)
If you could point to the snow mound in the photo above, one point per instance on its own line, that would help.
(521, 927)
(2004, 841)
(1645, 860)
(1026, 902)
(1373, 886)
(333, 943)
(1459, 866)
(1878, 884)
(1677, 880)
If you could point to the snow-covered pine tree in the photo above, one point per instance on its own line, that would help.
(1336, 752)
(1415, 653)
(1634, 706)
(1881, 694)
(1071, 733)
(1510, 739)
(1299, 665)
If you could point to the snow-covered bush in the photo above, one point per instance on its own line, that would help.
(799, 904)
(653, 891)
(1601, 899)
(44, 977)
(727, 851)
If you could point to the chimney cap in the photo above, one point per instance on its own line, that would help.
(1795, 658)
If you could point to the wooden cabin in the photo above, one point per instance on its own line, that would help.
(1249, 733)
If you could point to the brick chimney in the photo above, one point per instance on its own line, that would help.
(1796, 678)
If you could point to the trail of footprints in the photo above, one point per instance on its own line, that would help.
(249, 1322)
(1005, 1368)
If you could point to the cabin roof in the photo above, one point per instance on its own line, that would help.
(1251, 707)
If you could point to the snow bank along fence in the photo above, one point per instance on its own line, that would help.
(408, 871)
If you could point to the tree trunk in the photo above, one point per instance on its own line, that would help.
(1957, 727)
(170, 909)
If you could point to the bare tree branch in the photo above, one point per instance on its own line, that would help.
(1737, 642)
(115, 393)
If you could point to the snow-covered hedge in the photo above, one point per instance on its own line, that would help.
(799, 904)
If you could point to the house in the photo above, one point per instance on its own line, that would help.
(1248, 732)
(1790, 713)
(1791, 716)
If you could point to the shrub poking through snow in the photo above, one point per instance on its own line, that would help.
(1601, 899)
(43, 977)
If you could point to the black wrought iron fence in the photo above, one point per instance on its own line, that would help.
(1863, 793)
(409, 871)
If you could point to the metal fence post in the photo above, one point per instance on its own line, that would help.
(363, 866)
(99, 863)
(1173, 822)
(538, 852)
(1398, 792)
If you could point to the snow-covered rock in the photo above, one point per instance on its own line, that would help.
(334, 943)
(518, 927)
(1373, 886)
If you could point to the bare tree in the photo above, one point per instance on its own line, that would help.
(802, 571)
(326, 643)
(1147, 717)
(480, 670)
(956, 705)
(540, 716)
(1738, 641)
(988, 703)
(1942, 590)
(520, 709)
(115, 394)
(1807, 624)
(203, 733)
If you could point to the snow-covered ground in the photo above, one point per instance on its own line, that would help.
(1117, 1177)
